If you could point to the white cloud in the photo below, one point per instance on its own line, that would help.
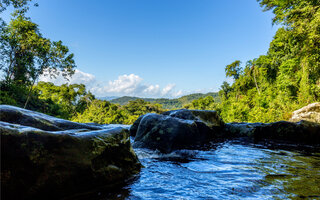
(129, 85)
(124, 84)
(78, 77)
(168, 89)
(152, 89)
(178, 93)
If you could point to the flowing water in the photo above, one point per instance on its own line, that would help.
(228, 170)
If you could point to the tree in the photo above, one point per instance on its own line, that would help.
(203, 103)
(288, 77)
(104, 112)
(301, 20)
(26, 54)
(20, 7)
(233, 70)
(66, 99)
(225, 90)
(253, 71)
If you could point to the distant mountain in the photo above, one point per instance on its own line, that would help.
(108, 98)
(167, 103)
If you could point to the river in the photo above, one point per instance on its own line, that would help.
(232, 169)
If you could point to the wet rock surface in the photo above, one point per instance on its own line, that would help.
(15, 115)
(298, 132)
(209, 117)
(176, 129)
(179, 129)
(49, 158)
(134, 128)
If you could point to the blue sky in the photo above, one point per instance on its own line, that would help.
(155, 48)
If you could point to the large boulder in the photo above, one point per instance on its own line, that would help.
(134, 127)
(25, 117)
(310, 113)
(242, 129)
(299, 132)
(176, 129)
(209, 117)
(69, 158)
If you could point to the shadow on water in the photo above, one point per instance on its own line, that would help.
(120, 191)
(295, 174)
(234, 169)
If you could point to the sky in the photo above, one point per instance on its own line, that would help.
(154, 48)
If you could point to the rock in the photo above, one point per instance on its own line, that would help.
(299, 132)
(180, 129)
(209, 117)
(51, 164)
(176, 130)
(241, 129)
(135, 125)
(109, 126)
(25, 117)
(310, 113)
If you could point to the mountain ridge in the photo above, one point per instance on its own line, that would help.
(166, 102)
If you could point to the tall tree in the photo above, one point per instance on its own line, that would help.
(288, 76)
(25, 54)
(225, 90)
(233, 70)
(301, 20)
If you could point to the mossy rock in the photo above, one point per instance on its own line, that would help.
(42, 164)
(15, 115)
(310, 113)
(209, 117)
(167, 133)
(303, 132)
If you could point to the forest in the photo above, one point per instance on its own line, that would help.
(264, 89)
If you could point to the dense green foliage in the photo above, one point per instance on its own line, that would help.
(104, 112)
(25, 55)
(168, 103)
(203, 103)
(63, 101)
(73, 102)
(271, 86)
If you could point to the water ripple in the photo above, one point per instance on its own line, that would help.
(230, 170)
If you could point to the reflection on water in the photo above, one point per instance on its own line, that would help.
(230, 170)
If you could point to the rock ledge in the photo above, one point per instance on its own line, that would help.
(50, 158)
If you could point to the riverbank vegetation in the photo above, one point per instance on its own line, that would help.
(270, 87)
(264, 89)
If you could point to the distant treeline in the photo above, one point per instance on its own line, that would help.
(168, 103)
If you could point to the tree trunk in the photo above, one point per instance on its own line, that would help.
(255, 80)
(26, 103)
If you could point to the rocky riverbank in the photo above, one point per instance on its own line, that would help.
(47, 157)
(43, 157)
(181, 129)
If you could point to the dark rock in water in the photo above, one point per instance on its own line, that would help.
(241, 129)
(176, 129)
(180, 129)
(134, 127)
(62, 159)
(299, 132)
(310, 113)
(209, 117)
